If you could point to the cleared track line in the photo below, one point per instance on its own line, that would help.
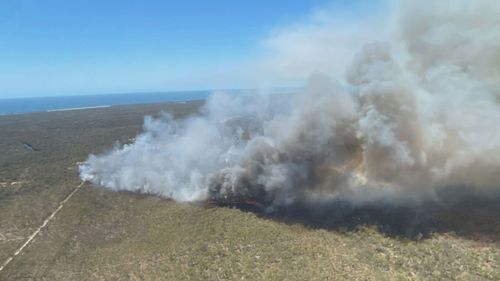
(45, 222)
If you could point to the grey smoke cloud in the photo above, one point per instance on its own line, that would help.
(414, 113)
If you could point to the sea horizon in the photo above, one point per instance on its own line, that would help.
(21, 105)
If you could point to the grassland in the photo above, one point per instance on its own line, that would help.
(103, 235)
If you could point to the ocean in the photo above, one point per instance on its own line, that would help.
(41, 104)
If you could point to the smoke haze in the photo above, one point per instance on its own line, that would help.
(416, 110)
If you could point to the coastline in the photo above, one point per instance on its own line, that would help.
(78, 108)
(103, 107)
(109, 234)
(14, 106)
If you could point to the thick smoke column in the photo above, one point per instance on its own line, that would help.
(414, 114)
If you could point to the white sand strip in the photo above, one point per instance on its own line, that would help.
(45, 222)
(79, 108)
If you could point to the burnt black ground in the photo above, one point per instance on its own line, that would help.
(104, 235)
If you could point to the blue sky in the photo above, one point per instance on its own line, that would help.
(61, 47)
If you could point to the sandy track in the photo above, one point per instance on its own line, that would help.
(45, 222)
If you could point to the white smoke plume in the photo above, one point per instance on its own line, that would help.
(417, 112)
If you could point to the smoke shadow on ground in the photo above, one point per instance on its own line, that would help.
(468, 216)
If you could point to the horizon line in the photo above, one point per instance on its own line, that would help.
(149, 92)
